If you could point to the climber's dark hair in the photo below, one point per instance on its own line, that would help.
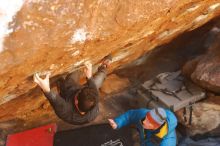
(87, 99)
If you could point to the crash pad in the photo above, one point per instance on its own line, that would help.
(95, 135)
(41, 136)
(171, 90)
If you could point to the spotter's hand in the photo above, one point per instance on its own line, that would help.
(112, 123)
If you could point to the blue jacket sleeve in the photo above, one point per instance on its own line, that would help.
(130, 117)
(172, 121)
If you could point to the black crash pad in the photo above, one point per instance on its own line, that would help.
(95, 135)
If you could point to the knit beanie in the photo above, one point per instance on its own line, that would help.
(159, 115)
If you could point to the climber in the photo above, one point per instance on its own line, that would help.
(158, 123)
(75, 103)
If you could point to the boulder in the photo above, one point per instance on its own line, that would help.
(206, 72)
(190, 66)
(205, 118)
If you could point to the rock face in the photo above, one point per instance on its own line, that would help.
(205, 70)
(59, 36)
(114, 84)
(205, 117)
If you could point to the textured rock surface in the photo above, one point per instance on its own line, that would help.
(114, 84)
(59, 36)
(205, 117)
(204, 69)
(207, 71)
(172, 56)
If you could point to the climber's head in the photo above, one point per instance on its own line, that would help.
(86, 100)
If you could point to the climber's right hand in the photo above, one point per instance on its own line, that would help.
(43, 83)
(88, 69)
